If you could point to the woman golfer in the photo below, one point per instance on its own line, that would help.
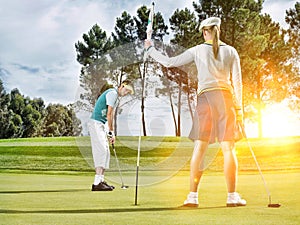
(103, 112)
(219, 104)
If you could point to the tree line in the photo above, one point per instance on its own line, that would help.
(269, 55)
(22, 117)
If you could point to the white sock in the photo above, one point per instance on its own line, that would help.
(193, 194)
(231, 194)
(98, 179)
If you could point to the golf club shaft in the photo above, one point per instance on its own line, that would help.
(113, 146)
(257, 165)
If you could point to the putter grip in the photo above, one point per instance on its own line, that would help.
(242, 128)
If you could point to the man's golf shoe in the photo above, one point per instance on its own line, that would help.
(102, 186)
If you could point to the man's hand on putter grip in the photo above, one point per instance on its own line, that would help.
(111, 137)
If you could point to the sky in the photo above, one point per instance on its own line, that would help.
(37, 53)
(37, 41)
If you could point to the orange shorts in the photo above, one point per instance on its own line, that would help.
(214, 118)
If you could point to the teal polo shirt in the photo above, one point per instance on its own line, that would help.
(107, 98)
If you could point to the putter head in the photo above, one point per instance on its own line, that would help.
(124, 187)
(276, 205)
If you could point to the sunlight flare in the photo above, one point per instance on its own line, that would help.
(279, 121)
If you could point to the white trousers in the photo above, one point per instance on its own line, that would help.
(100, 147)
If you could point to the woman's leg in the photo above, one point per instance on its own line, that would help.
(230, 165)
(196, 171)
(200, 148)
(230, 171)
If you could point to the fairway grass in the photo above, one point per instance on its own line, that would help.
(48, 181)
(74, 154)
(67, 199)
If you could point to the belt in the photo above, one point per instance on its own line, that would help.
(212, 89)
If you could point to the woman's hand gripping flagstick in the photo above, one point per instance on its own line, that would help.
(149, 30)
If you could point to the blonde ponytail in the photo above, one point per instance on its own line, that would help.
(215, 40)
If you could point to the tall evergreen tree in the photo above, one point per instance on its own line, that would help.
(293, 19)
(60, 121)
(159, 31)
(6, 122)
(141, 22)
(91, 55)
(22, 117)
(120, 58)
(185, 26)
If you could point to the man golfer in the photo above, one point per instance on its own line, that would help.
(219, 83)
(103, 112)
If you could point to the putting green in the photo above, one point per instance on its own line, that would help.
(67, 199)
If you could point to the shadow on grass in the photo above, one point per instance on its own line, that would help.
(41, 191)
(108, 210)
(134, 208)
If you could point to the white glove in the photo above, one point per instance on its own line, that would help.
(110, 134)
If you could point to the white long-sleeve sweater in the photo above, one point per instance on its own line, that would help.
(224, 72)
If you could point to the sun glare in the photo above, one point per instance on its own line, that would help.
(279, 121)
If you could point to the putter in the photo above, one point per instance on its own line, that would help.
(271, 205)
(123, 186)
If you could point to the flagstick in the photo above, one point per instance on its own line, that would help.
(149, 34)
(138, 165)
(140, 136)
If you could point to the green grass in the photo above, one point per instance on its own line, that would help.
(67, 199)
(48, 181)
(74, 154)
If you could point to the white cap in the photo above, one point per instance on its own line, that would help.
(211, 21)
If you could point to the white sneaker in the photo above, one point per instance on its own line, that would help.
(191, 201)
(234, 200)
